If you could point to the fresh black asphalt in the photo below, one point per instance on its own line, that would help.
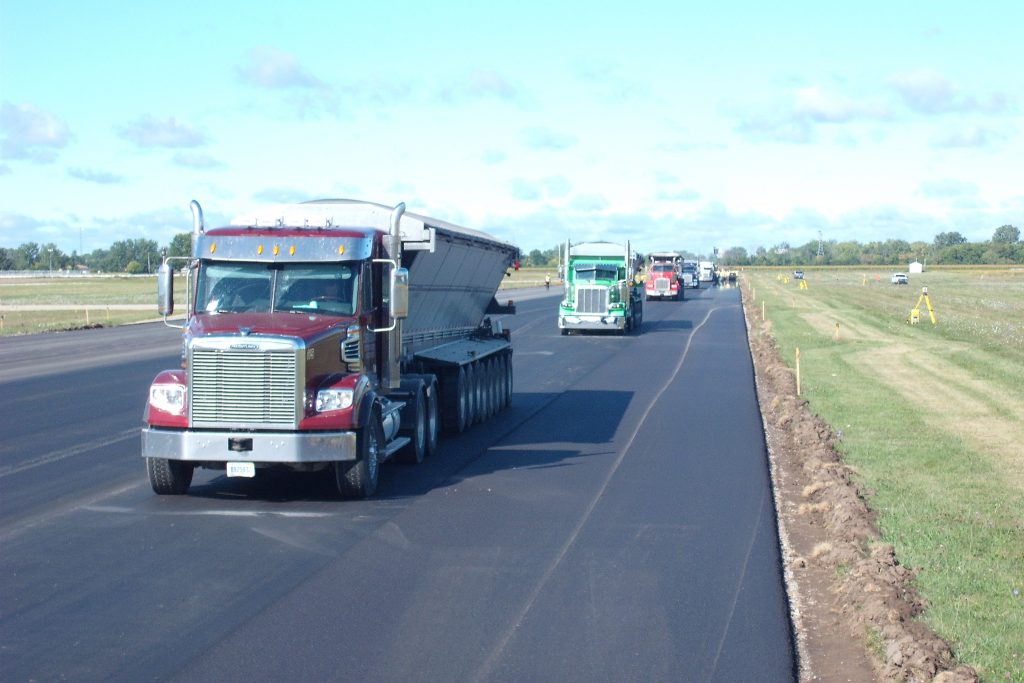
(616, 523)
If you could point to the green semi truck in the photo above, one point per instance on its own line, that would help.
(601, 292)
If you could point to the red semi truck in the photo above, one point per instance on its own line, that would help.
(663, 277)
(329, 335)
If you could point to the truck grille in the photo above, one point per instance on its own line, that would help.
(244, 388)
(592, 300)
(662, 284)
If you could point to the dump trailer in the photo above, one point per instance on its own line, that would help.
(328, 335)
(601, 292)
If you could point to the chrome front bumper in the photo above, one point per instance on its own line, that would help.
(591, 322)
(259, 447)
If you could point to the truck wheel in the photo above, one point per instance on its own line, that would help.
(564, 331)
(358, 479)
(455, 412)
(490, 389)
(432, 416)
(508, 379)
(502, 372)
(169, 477)
(472, 395)
(414, 451)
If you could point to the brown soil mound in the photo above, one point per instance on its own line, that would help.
(854, 605)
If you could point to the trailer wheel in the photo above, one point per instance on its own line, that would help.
(414, 451)
(432, 416)
(494, 370)
(487, 389)
(508, 379)
(455, 412)
(472, 395)
(358, 479)
(169, 477)
(502, 374)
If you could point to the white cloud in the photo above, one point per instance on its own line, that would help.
(928, 92)
(151, 132)
(196, 161)
(493, 156)
(972, 136)
(479, 84)
(545, 139)
(31, 133)
(268, 67)
(93, 176)
(282, 195)
(947, 188)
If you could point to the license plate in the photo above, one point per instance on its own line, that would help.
(241, 469)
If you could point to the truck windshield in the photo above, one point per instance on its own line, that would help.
(231, 287)
(590, 272)
(663, 268)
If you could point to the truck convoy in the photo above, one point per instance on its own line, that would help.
(329, 335)
(600, 289)
(663, 277)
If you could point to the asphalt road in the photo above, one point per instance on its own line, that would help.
(616, 523)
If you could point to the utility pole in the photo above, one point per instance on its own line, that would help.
(821, 246)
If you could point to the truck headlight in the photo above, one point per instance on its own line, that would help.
(333, 399)
(169, 398)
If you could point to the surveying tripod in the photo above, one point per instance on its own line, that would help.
(915, 313)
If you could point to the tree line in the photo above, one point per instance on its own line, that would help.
(124, 256)
(949, 248)
(144, 256)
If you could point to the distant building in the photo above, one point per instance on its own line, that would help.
(915, 267)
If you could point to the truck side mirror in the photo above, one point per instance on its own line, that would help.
(399, 297)
(165, 289)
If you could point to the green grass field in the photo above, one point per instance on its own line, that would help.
(95, 300)
(932, 420)
(87, 301)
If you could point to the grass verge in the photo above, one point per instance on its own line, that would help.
(932, 421)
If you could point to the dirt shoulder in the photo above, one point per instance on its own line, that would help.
(854, 605)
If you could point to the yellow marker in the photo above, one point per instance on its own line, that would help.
(277, 250)
(291, 250)
(803, 284)
(259, 249)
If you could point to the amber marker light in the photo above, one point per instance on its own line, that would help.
(213, 247)
(291, 250)
(259, 249)
(277, 250)
(341, 249)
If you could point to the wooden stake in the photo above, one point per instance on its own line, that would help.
(762, 311)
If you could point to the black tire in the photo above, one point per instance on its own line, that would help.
(433, 421)
(455, 409)
(472, 395)
(358, 479)
(508, 379)
(414, 451)
(501, 377)
(491, 388)
(564, 331)
(169, 477)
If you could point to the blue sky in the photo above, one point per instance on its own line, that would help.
(676, 125)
